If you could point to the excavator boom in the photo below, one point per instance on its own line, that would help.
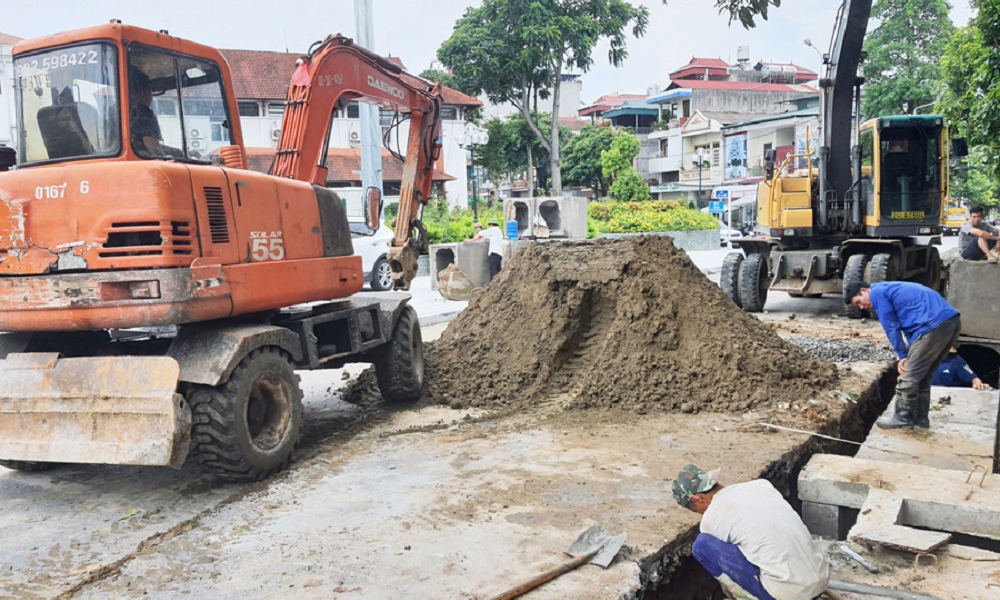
(334, 73)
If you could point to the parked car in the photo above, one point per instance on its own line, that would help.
(727, 233)
(372, 249)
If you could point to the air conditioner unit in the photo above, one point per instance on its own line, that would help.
(275, 135)
(355, 136)
(195, 144)
(194, 133)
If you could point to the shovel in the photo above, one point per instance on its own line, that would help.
(593, 546)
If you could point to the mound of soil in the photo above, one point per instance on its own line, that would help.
(628, 323)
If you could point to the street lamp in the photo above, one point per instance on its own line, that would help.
(700, 161)
(809, 43)
(474, 137)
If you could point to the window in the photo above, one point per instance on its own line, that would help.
(67, 103)
(177, 105)
(353, 111)
(275, 109)
(449, 113)
(249, 108)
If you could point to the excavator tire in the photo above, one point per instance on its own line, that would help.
(753, 283)
(729, 279)
(879, 269)
(854, 271)
(246, 428)
(399, 366)
(932, 277)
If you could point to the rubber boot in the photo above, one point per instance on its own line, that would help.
(922, 410)
(903, 418)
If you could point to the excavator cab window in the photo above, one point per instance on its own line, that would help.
(910, 173)
(177, 105)
(867, 143)
(67, 103)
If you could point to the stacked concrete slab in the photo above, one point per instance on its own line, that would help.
(471, 257)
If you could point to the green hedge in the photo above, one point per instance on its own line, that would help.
(444, 225)
(648, 217)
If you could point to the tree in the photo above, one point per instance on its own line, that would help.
(582, 160)
(616, 162)
(971, 182)
(970, 90)
(904, 54)
(516, 50)
(744, 11)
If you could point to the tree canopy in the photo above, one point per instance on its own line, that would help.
(515, 51)
(904, 54)
(616, 162)
(744, 11)
(970, 91)
(582, 159)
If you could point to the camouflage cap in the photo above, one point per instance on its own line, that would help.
(692, 480)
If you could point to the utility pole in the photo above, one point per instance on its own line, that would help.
(371, 129)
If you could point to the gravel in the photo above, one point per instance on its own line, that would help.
(843, 351)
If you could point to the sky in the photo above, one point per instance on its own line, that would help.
(414, 29)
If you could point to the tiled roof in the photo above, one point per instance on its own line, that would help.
(259, 74)
(8, 40)
(264, 75)
(609, 101)
(698, 66)
(344, 164)
(742, 86)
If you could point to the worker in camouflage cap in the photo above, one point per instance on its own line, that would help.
(751, 539)
(690, 481)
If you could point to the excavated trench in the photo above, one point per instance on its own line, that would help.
(673, 574)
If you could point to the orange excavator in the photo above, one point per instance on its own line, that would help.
(158, 296)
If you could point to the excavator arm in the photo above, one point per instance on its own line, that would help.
(334, 73)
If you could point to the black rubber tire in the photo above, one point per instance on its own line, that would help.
(932, 277)
(879, 269)
(854, 270)
(753, 283)
(729, 279)
(27, 466)
(247, 428)
(379, 271)
(399, 365)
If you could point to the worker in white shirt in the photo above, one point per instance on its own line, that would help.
(751, 539)
(494, 236)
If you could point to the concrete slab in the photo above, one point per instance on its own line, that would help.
(961, 434)
(877, 524)
(939, 499)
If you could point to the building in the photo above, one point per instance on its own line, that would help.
(8, 108)
(261, 80)
(706, 97)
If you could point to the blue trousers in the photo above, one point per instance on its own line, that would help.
(718, 557)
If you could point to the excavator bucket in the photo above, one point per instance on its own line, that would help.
(106, 410)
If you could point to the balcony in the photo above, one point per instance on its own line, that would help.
(663, 164)
(710, 174)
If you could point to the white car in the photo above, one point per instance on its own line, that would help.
(372, 249)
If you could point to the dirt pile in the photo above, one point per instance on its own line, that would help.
(626, 323)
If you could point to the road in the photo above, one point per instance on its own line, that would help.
(83, 531)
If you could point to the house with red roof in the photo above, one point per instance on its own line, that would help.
(261, 81)
(8, 110)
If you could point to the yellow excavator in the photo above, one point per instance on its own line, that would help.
(870, 208)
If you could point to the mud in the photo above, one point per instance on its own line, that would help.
(629, 324)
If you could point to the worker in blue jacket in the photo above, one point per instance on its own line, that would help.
(955, 372)
(922, 327)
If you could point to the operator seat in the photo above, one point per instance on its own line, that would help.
(63, 131)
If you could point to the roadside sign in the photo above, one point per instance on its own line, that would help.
(716, 206)
(721, 194)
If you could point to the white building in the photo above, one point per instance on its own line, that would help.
(261, 80)
(8, 112)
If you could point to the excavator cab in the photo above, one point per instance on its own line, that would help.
(902, 180)
(75, 101)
